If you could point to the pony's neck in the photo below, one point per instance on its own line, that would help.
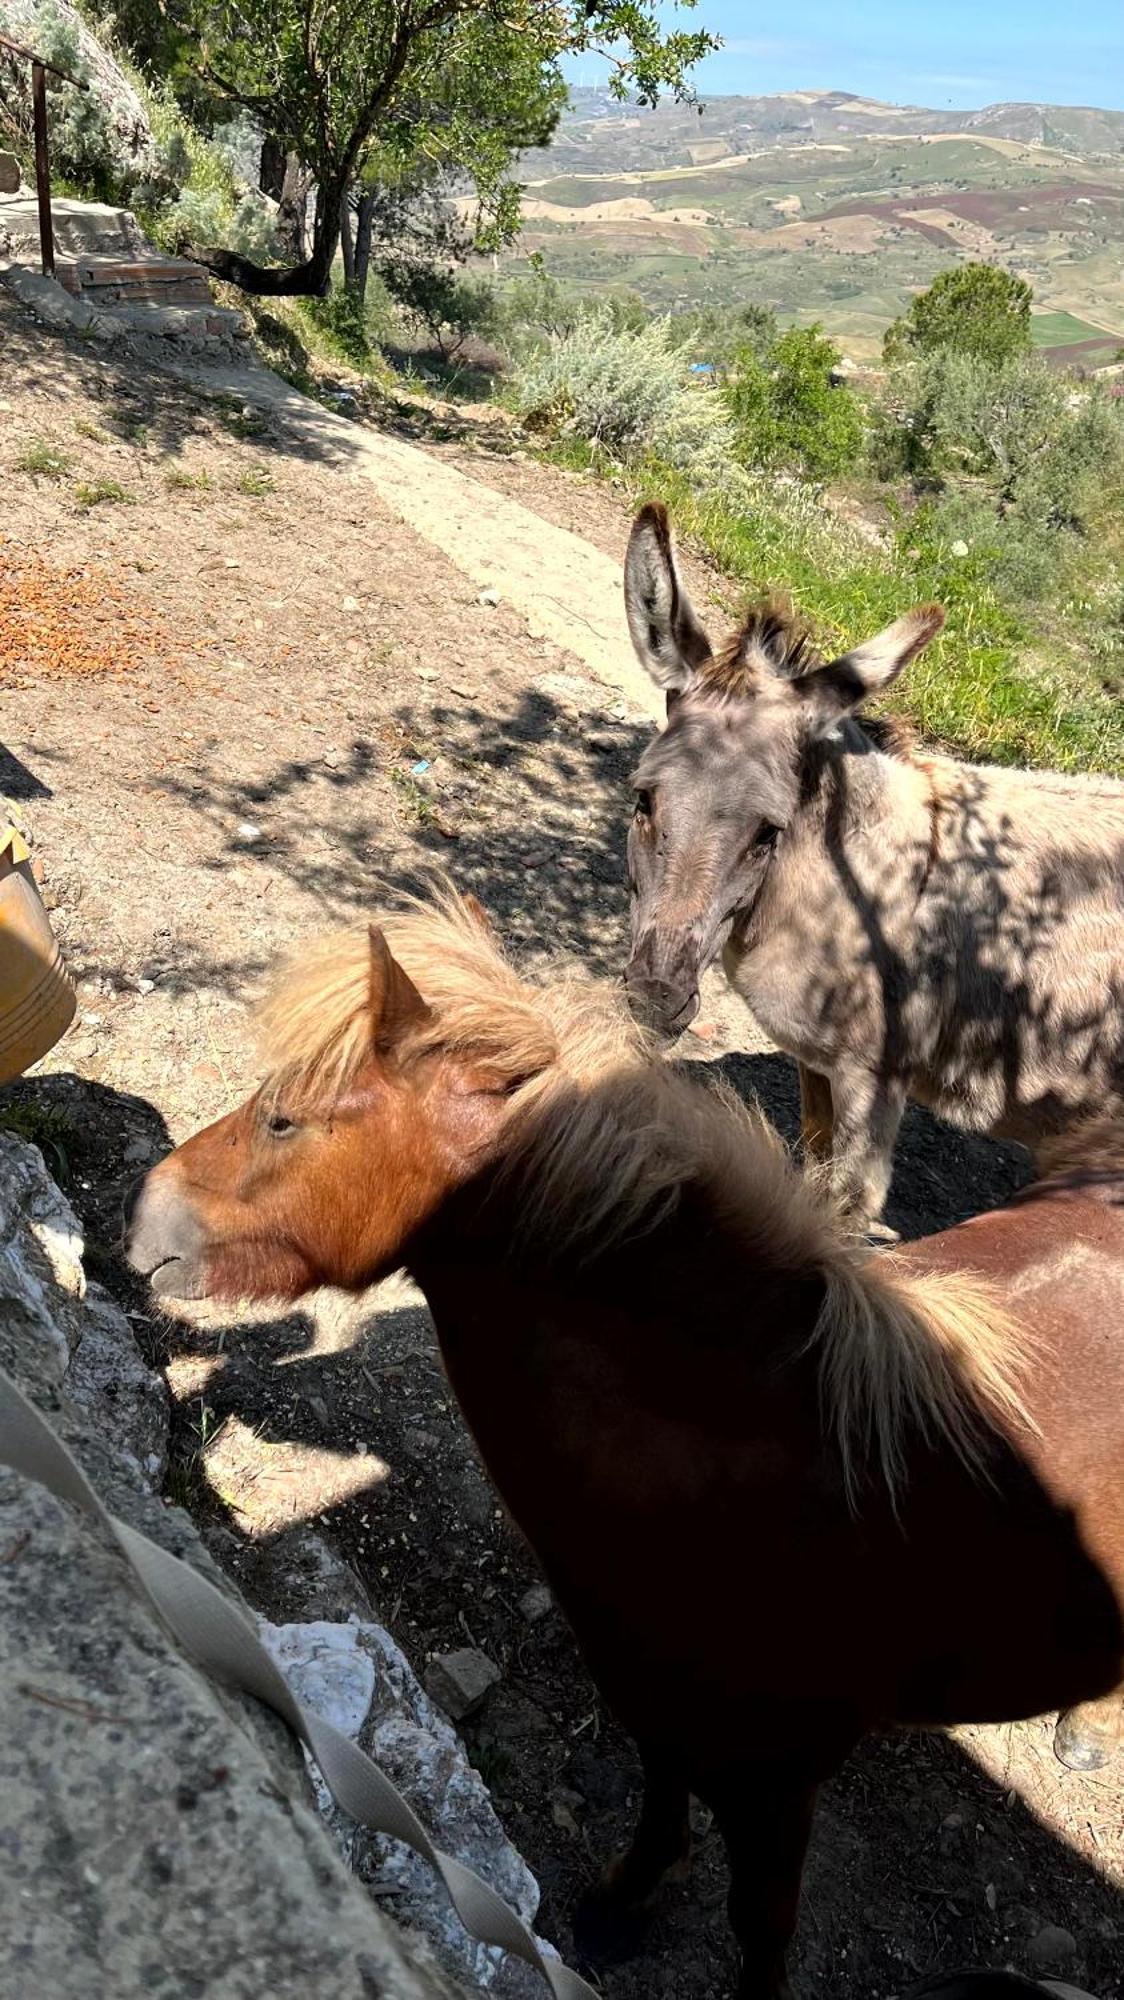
(696, 1271)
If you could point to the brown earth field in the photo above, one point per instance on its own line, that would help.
(297, 705)
(1006, 209)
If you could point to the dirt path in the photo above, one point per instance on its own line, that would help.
(566, 590)
(314, 703)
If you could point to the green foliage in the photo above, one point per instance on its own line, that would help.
(44, 461)
(450, 308)
(786, 411)
(88, 150)
(628, 393)
(539, 305)
(974, 309)
(978, 689)
(378, 94)
(1019, 460)
(348, 328)
(718, 334)
(96, 492)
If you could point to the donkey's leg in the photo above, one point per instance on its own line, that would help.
(868, 1111)
(606, 1923)
(1087, 1736)
(764, 1813)
(816, 1116)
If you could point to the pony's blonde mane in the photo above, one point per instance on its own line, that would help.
(603, 1139)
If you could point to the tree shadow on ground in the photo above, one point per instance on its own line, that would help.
(164, 407)
(18, 781)
(522, 809)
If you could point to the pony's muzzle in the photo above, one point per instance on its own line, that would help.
(164, 1241)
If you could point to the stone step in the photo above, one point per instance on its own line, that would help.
(150, 278)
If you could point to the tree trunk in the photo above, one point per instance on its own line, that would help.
(271, 173)
(347, 244)
(363, 228)
(292, 211)
(310, 279)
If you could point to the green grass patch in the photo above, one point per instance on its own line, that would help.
(179, 480)
(256, 482)
(1061, 329)
(43, 460)
(101, 492)
(974, 691)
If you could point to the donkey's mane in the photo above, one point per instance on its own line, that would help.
(601, 1140)
(775, 640)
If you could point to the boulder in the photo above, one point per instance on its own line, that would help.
(9, 174)
(356, 1676)
(158, 1835)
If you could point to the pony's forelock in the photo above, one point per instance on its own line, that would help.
(317, 1030)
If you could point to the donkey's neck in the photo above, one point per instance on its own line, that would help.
(849, 774)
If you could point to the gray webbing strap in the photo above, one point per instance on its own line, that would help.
(221, 1638)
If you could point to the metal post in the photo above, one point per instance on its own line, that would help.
(42, 168)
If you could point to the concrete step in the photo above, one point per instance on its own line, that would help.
(81, 228)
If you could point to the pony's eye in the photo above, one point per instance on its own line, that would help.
(643, 805)
(280, 1128)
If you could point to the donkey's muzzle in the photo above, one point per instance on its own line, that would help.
(164, 1240)
(661, 1005)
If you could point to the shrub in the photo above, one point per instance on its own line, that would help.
(1039, 446)
(349, 327)
(786, 411)
(450, 308)
(89, 150)
(718, 334)
(629, 392)
(975, 309)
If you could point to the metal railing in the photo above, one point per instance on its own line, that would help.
(40, 68)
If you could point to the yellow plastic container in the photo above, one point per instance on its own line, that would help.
(37, 1000)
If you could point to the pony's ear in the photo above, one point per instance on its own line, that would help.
(844, 684)
(668, 638)
(396, 1003)
(479, 915)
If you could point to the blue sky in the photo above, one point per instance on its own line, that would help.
(939, 53)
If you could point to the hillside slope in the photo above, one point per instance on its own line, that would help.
(828, 206)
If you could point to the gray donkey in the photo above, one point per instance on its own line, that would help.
(904, 925)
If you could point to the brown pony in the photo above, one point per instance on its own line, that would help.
(680, 1369)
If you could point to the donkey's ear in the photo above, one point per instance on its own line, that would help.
(396, 1003)
(844, 684)
(668, 638)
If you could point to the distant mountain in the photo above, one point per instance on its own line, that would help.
(600, 135)
(827, 206)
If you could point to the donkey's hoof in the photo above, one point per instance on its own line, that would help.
(1080, 1752)
(605, 1930)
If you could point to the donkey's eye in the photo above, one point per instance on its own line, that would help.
(643, 805)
